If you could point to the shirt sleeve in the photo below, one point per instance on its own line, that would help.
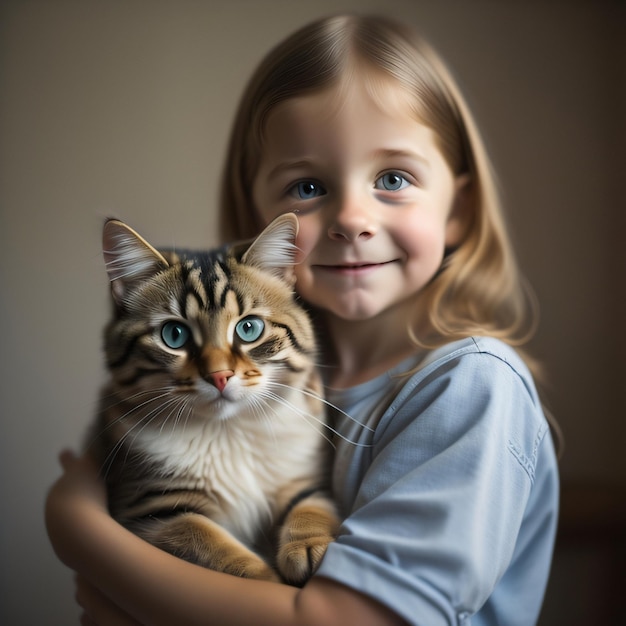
(436, 520)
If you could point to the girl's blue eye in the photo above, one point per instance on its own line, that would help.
(391, 181)
(306, 190)
(249, 329)
(175, 335)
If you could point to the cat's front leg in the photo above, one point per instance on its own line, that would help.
(200, 540)
(308, 529)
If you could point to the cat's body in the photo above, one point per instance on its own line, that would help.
(211, 429)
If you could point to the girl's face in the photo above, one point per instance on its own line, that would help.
(375, 199)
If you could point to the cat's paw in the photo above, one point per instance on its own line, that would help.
(247, 567)
(304, 538)
(202, 541)
(298, 560)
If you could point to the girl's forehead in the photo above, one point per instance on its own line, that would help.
(360, 91)
(357, 110)
(345, 125)
(389, 94)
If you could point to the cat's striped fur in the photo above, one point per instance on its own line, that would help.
(210, 431)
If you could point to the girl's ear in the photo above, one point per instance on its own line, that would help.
(461, 211)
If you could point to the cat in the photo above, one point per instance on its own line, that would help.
(210, 429)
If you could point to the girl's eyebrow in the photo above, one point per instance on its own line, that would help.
(390, 153)
(379, 154)
(285, 166)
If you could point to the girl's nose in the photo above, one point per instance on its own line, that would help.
(352, 221)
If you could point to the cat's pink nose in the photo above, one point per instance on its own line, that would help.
(220, 378)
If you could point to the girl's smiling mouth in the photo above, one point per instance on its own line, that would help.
(353, 269)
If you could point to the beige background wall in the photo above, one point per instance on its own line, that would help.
(123, 107)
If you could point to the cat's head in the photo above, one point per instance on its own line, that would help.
(214, 329)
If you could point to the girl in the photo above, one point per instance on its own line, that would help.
(451, 506)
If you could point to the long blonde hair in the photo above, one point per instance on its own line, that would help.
(479, 290)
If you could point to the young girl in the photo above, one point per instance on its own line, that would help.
(450, 508)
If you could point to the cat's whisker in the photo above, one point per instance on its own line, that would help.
(133, 409)
(155, 393)
(261, 409)
(144, 421)
(305, 414)
(175, 403)
(272, 397)
(185, 404)
(179, 416)
(155, 413)
(326, 402)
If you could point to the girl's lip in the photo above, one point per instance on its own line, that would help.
(352, 268)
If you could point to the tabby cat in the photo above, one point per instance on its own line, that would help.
(210, 431)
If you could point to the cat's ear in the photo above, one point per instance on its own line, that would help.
(128, 257)
(274, 250)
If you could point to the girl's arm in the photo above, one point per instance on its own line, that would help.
(155, 587)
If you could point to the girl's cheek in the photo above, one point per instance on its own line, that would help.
(307, 237)
(303, 251)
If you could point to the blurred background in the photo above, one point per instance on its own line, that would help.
(123, 108)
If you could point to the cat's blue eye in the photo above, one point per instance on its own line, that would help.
(175, 335)
(391, 181)
(249, 329)
(307, 190)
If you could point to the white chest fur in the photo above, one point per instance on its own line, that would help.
(241, 463)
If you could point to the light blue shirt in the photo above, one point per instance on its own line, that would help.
(449, 486)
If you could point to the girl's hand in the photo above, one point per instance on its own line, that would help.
(80, 479)
(78, 490)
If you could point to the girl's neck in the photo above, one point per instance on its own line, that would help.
(362, 350)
